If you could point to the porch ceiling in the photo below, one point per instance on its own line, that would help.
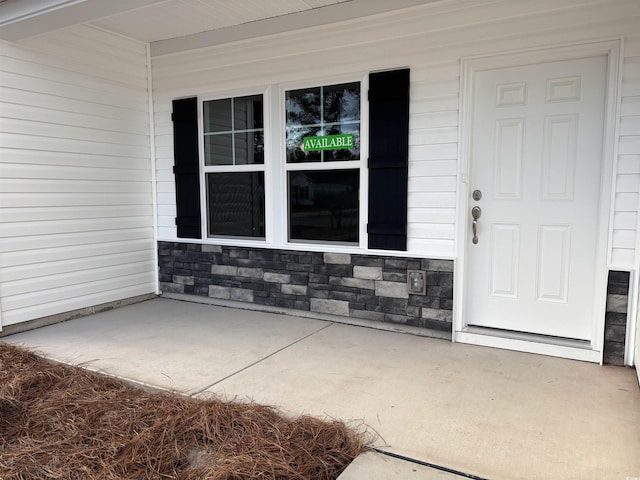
(175, 25)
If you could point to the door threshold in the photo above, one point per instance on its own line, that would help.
(529, 342)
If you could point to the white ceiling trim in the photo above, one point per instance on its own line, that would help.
(21, 19)
(295, 21)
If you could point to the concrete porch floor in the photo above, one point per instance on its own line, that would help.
(490, 413)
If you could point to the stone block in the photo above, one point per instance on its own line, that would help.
(313, 293)
(413, 311)
(367, 299)
(299, 278)
(367, 261)
(250, 272)
(613, 318)
(391, 289)
(236, 253)
(294, 289)
(399, 263)
(334, 307)
(437, 265)
(394, 305)
(446, 279)
(395, 277)
(615, 333)
(212, 248)
(301, 305)
(439, 315)
(229, 270)
(619, 277)
(393, 318)
(300, 267)
(171, 288)
(317, 278)
(276, 277)
(617, 303)
(183, 279)
(242, 295)
(217, 291)
(422, 301)
(337, 258)
(367, 273)
(347, 296)
(335, 270)
(357, 283)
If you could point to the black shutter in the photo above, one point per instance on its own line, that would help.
(388, 159)
(185, 154)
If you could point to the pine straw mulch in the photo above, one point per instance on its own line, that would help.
(61, 422)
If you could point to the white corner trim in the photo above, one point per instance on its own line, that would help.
(152, 160)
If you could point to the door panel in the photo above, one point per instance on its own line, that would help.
(536, 156)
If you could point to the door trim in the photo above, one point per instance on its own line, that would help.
(612, 48)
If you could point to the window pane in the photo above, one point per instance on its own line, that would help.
(341, 102)
(295, 137)
(303, 107)
(218, 150)
(345, 154)
(247, 112)
(249, 148)
(323, 205)
(217, 115)
(236, 204)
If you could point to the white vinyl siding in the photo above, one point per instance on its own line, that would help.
(430, 40)
(76, 203)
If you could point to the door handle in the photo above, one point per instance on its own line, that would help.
(475, 213)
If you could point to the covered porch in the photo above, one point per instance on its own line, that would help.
(480, 411)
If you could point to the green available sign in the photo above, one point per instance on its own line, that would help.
(328, 142)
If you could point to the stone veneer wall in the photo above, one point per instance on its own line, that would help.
(359, 286)
(615, 325)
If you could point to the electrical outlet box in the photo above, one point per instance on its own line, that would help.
(417, 282)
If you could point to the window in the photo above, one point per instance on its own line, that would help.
(233, 146)
(323, 182)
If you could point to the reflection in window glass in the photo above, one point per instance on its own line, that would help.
(249, 147)
(323, 205)
(217, 116)
(236, 204)
(233, 131)
(247, 113)
(321, 111)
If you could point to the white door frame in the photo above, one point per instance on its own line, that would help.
(530, 343)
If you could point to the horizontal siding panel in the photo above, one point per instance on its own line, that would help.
(630, 125)
(431, 231)
(28, 142)
(39, 214)
(104, 292)
(628, 183)
(431, 199)
(18, 244)
(21, 185)
(68, 88)
(436, 248)
(628, 164)
(622, 257)
(625, 221)
(629, 145)
(434, 119)
(432, 168)
(71, 199)
(34, 99)
(432, 215)
(69, 255)
(432, 136)
(71, 132)
(626, 202)
(70, 159)
(624, 239)
(52, 172)
(445, 151)
(432, 184)
(55, 227)
(58, 117)
(41, 284)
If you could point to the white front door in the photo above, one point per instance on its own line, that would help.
(536, 159)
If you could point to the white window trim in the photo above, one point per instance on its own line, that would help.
(204, 169)
(284, 167)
